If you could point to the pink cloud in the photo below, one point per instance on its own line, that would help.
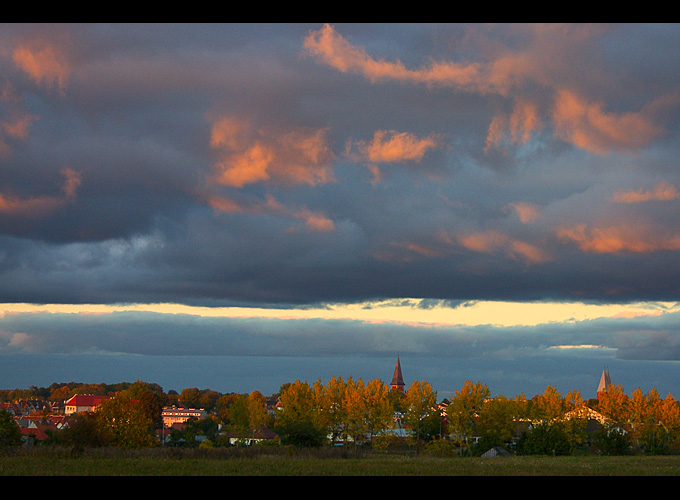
(620, 238)
(515, 128)
(45, 62)
(588, 126)
(494, 241)
(314, 221)
(527, 212)
(487, 242)
(663, 191)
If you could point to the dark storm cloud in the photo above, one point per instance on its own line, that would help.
(310, 163)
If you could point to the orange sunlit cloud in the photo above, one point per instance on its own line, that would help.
(663, 191)
(314, 221)
(17, 127)
(250, 155)
(493, 241)
(393, 147)
(41, 205)
(588, 126)
(17, 121)
(331, 48)
(487, 242)
(576, 120)
(46, 63)
(618, 238)
(516, 128)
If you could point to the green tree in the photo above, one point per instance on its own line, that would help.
(496, 422)
(545, 439)
(396, 398)
(191, 397)
(299, 422)
(10, 435)
(125, 423)
(610, 440)
(83, 432)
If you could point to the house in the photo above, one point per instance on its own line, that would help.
(180, 414)
(254, 437)
(83, 403)
(34, 429)
(496, 451)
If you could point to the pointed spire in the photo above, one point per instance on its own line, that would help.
(605, 382)
(397, 379)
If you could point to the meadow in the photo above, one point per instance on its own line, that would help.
(102, 462)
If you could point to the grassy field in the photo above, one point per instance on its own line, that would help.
(103, 463)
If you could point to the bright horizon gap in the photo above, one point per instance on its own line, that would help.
(472, 313)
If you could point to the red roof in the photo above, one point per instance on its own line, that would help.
(86, 400)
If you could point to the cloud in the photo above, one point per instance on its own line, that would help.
(392, 146)
(331, 48)
(313, 221)
(39, 206)
(389, 147)
(527, 212)
(250, 155)
(619, 238)
(663, 191)
(588, 126)
(45, 62)
(516, 128)
(651, 337)
(493, 241)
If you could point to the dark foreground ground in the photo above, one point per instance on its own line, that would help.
(296, 463)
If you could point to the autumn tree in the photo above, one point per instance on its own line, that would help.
(331, 398)
(548, 406)
(355, 410)
(419, 402)
(614, 404)
(654, 420)
(257, 411)
(379, 410)
(464, 409)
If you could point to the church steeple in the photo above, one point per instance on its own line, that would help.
(605, 382)
(397, 380)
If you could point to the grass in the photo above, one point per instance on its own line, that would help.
(289, 463)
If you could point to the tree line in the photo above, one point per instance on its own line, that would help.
(355, 413)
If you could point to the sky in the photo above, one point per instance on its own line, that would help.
(237, 206)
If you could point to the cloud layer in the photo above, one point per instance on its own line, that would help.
(294, 165)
